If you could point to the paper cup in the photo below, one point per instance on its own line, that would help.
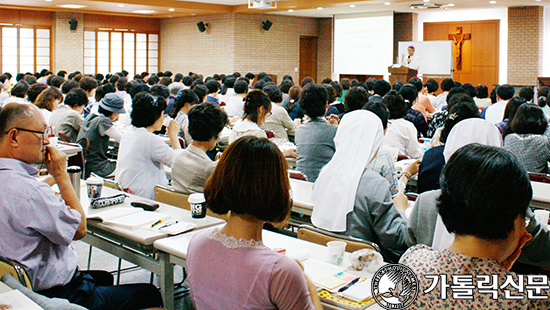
(543, 216)
(198, 209)
(336, 251)
(94, 187)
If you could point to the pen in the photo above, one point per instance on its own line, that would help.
(157, 222)
(168, 224)
(349, 285)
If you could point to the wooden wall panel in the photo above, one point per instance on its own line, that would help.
(92, 21)
(26, 17)
(479, 54)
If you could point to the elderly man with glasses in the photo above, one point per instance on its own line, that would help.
(37, 227)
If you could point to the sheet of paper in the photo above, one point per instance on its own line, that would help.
(316, 269)
(114, 213)
(18, 301)
(359, 291)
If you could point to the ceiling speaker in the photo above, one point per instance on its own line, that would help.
(73, 23)
(202, 26)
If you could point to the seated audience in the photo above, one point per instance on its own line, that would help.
(227, 90)
(527, 141)
(439, 118)
(201, 91)
(430, 87)
(338, 93)
(18, 93)
(278, 120)
(235, 104)
(37, 226)
(441, 100)
(433, 160)
(482, 99)
(292, 107)
(528, 93)
(542, 99)
(401, 134)
(474, 130)
(383, 162)
(333, 103)
(142, 154)
(350, 198)
(495, 113)
(422, 103)
(484, 202)
(185, 100)
(47, 101)
(410, 94)
(257, 107)
(213, 89)
(509, 113)
(98, 129)
(67, 118)
(380, 89)
(315, 138)
(259, 277)
(35, 90)
(192, 167)
(90, 85)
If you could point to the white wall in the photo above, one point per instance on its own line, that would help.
(501, 14)
(546, 43)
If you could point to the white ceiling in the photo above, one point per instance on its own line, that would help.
(299, 7)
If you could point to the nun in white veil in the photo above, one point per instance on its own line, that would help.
(353, 200)
(473, 130)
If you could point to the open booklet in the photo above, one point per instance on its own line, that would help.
(330, 278)
(15, 300)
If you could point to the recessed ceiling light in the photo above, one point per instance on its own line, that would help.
(538, 0)
(426, 0)
(171, 9)
(291, 10)
(72, 6)
(144, 11)
(121, 5)
(387, 3)
(319, 8)
(451, 4)
(49, 0)
(492, 2)
(352, 5)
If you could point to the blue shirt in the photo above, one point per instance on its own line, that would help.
(36, 227)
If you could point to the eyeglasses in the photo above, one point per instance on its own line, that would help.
(269, 114)
(47, 132)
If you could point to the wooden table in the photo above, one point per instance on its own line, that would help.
(176, 250)
(136, 246)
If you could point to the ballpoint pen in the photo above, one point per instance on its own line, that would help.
(156, 223)
(168, 224)
(349, 285)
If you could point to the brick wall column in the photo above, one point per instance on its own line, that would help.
(405, 28)
(525, 42)
(68, 45)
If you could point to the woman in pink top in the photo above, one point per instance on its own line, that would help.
(230, 267)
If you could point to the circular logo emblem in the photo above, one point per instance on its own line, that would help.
(395, 286)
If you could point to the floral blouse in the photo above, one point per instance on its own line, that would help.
(471, 282)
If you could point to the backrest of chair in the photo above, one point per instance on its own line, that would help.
(111, 184)
(539, 177)
(319, 236)
(63, 137)
(170, 196)
(294, 174)
(14, 269)
(85, 144)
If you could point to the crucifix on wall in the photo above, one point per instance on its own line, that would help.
(458, 40)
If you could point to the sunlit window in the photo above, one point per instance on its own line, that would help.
(25, 49)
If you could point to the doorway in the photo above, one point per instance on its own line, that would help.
(308, 58)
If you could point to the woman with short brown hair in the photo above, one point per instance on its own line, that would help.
(230, 267)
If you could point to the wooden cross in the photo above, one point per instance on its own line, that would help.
(458, 40)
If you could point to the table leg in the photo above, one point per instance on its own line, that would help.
(166, 282)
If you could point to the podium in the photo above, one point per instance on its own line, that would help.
(402, 73)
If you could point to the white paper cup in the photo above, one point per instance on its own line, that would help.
(336, 251)
(543, 216)
(94, 186)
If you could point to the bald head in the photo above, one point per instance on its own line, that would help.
(16, 114)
